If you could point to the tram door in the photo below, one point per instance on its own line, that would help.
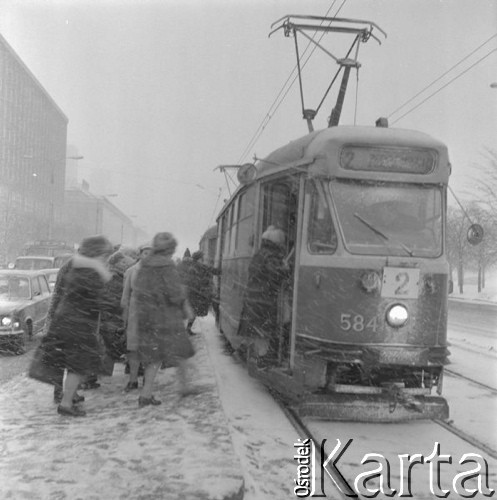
(280, 202)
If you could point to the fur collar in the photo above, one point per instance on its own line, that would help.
(80, 261)
(157, 260)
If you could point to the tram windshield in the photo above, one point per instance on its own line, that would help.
(388, 218)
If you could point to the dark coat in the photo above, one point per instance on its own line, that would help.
(260, 308)
(72, 340)
(200, 287)
(160, 298)
(57, 293)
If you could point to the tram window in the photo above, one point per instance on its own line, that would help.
(321, 236)
(239, 218)
(226, 236)
(276, 205)
(234, 226)
(241, 206)
(389, 218)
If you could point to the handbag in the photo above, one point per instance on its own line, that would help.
(43, 370)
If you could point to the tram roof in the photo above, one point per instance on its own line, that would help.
(323, 145)
(328, 142)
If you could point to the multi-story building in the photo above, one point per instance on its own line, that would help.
(33, 136)
(86, 214)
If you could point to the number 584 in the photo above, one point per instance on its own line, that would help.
(356, 322)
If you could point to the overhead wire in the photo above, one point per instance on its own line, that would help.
(438, 79)
(444, 86)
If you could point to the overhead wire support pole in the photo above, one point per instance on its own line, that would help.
(338, 72)
(300, 77)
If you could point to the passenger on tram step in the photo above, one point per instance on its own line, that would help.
(267, 271)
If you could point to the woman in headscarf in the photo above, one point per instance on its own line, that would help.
(76, 320)
(160, 297)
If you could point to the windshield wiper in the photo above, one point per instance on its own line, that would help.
(383, 235)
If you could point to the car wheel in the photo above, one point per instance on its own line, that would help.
(29, 330)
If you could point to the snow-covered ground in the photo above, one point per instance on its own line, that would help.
(181, 449)
(470, 289)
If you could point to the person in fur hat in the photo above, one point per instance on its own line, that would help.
(160, 299)
(72, 338)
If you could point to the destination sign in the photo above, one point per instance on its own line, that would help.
(388, 159)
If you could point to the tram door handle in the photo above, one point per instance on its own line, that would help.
(318, 277)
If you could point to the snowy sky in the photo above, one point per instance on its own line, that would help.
(158, 93)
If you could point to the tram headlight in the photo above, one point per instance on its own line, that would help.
(397, 315)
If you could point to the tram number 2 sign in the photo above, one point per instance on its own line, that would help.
(400, 283)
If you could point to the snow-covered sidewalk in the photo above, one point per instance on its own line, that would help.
(179, 450)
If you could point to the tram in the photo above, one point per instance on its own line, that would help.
(362, 321)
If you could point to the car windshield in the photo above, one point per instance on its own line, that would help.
(388, 218)
(14, 288)
(34, 264)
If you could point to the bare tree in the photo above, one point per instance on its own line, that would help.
(457, 246)
(486, 183)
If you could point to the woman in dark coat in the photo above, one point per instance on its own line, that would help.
(72, 338)
(160, 298)
(57, 294)
(266, 273)
(199, 285)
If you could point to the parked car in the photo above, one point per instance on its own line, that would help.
(24, 301)
(41, 261)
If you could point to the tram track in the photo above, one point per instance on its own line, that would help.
(449, 426)
(469, 379)
(334, 477)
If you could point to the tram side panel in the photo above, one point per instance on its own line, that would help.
(236, 242)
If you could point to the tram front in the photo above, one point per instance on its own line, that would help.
(369, 325)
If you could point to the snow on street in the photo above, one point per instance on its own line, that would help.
(181, 449)
(262, 436)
